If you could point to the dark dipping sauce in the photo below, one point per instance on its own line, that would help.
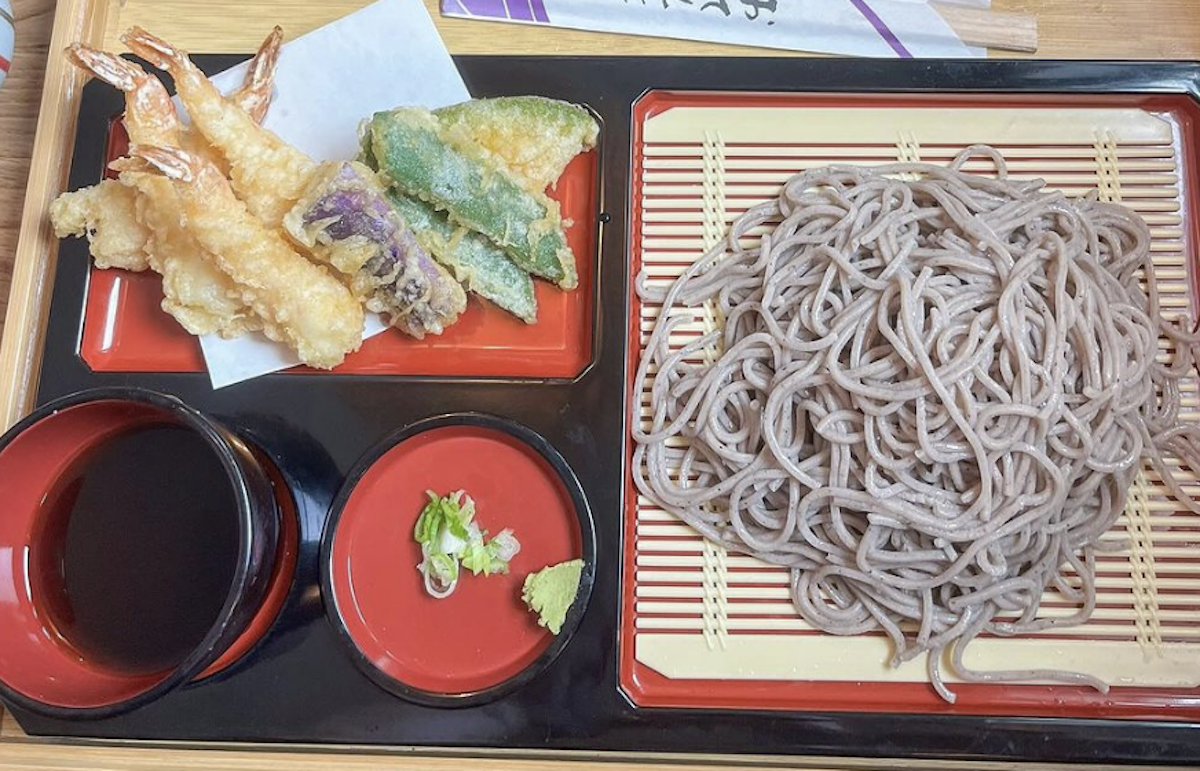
(139, 549)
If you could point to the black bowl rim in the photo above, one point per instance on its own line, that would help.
(214, 641)
(295, 586)
(587, 537)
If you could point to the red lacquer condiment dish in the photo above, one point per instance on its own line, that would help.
(481, 642)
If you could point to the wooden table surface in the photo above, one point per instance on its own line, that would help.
(1111, 29)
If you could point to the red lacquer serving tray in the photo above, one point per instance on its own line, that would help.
(687, 610)
(125, 330)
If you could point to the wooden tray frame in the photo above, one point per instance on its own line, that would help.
(98, 22)
(37, 248)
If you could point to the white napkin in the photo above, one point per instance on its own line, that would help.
(385, 55)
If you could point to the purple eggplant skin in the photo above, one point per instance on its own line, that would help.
(346, 221)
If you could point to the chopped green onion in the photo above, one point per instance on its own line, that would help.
(448, 535)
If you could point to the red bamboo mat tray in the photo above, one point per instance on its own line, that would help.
(702, 628)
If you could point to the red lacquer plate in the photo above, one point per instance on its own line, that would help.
(125, 330)
(481, 641)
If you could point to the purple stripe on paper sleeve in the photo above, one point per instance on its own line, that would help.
(519, 10)
(485, 9)
(884, 31)
(539, 11)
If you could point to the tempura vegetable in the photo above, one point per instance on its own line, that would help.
(106, 215)
(300, 303)
(267, 173)
(476, 195)
(532, 137)
(346, 221)
(550, 592)
(449, 537)
(480, 265)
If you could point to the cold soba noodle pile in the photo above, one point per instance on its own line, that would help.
(928, 399)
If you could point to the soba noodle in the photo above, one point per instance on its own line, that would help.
(928, 394)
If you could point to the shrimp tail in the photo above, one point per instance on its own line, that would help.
(254, 95)
(154, 49)
(112, 69)
(170, 162)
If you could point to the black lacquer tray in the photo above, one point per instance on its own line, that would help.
(300, 685)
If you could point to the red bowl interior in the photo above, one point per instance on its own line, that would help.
(35, 660)
(482, 634)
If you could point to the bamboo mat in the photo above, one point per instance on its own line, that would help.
(704, 615)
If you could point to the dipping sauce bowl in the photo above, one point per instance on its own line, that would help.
(140, 547)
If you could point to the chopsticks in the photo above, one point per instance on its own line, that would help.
(1001, 30)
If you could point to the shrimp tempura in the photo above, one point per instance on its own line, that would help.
(300, 303)
(134, 232)
(104, 213)
(195, 291)
(267, 173)
(253, 96)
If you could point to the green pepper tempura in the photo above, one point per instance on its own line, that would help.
(450, 538)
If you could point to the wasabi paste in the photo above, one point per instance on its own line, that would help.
(551, 591)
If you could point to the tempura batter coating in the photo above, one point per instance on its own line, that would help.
(532, 137)
(300, 303)
(253, 96)
(196, 292)
(106, 215)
